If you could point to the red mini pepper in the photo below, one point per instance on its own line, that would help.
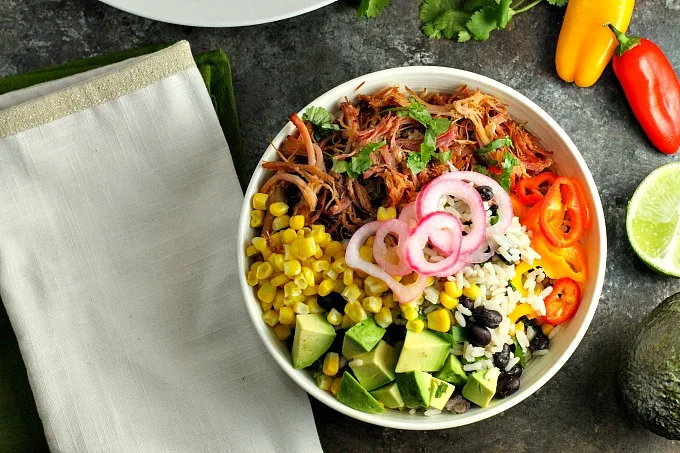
(561, 218)
(529, 189)
(562, 303)
(652, 89)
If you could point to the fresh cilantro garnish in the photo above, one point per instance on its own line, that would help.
(441, 388)
(322, 119)
(558, 2)
(444, 157)
(494, 145)
(415, 163)
(481, 169)
(509, 162)
(371, 8)
(359, 163)
(519, 352)
(444, 19)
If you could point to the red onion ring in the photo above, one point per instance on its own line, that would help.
(480, 255)
(409, 214)
(403, 293)
(421, 234)
(381, 251)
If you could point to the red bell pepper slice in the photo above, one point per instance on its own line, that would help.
(587, 219)
(563, 301)
(561, 218)
(529, 189)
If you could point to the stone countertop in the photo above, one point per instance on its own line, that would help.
(280, 67)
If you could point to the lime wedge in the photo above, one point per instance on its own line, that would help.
(653, 220)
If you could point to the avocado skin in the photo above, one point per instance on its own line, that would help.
(650, 371)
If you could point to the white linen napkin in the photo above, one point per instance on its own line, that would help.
(117, 268)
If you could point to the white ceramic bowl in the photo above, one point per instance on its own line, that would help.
(569, 162)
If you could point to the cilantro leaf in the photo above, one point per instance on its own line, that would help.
(438, 125)
(417, 111)
(443, 18)
(495, 144)
(444, 157)
(441, 388)
(519, 352)
(340, 166)
(359, 163)
(322, 119)
(481, 169)
(371, 8)
(509, 163)
(415, 163)
(482, 23)
(433, 128)
(558, 2)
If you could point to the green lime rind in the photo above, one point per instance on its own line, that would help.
(653, 220)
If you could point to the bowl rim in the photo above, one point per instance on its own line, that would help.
(255, 312)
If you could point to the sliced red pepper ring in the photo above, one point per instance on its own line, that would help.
(529, 189)
(561, 219)
(587, 219)
(560, 262)
(562, 303)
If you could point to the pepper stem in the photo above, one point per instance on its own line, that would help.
(625, 42)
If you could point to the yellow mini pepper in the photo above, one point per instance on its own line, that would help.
(585, 46)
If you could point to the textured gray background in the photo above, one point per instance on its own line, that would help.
(279, 68)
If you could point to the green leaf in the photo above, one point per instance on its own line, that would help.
(481, 169)
(494, 145)
(438, 125)
(322, 119)
(558, 2)
(362, 161)
(483, 22)
(519, 352)
(464, 36)
(414, 163)
(444, 156)
(371, 8)
(417, 111)
(340, 166)
(441, 388)
(509, 162)
(504, 13)
(443, 18)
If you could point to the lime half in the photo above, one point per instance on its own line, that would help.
(653, 220)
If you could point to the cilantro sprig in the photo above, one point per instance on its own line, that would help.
(323, 121)
(358, 164)
(371, 8)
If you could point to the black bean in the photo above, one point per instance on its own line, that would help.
(515, 371)
(485, 192)
(479, 336)
(513, 348)
(501, 358)
(487, 318)
(466, 302)
(394, 333)
(539, 342)
(504, 259)
(507, 385)
(494, 209)
(333, 300)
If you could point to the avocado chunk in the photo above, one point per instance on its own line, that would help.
(352, 394)
(414, 388)
(313, 336)
(650, 371)
(423, 351)
(389, 395)
(376, 368)
(361, 337)
(452, 371)
(440, 392)
(479, 389)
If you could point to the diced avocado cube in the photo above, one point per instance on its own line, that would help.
(389, 395)
(414, 387)
(375, 368)
(479, 389)
(352, 394)
(423, 351)
(452, 371)
(440, 392)
(313, 336)
(361, 337)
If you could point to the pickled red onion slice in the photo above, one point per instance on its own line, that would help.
(381, 252)
(421, 234)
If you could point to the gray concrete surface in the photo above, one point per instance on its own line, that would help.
(280, 67)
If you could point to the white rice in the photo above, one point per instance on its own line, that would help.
(514, 361)
(431, 412)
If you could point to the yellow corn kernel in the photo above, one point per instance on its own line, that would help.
(264, 271)
(300, 282)
(418, 300)
(415, 326)
(260, 201)
(270, 317)
(374, 286)
(338, 286)
(331, 364)
(519, 326)
(290, 289)
(259, 243)
(372, 304)
(388, 301)
(281, 222)
(387, 213)
(278, 209)
(430, 281)
(306, 232)
(287, 316)
(330, 273)
(288, 252)
(309, 275)
(266, 292)
(348, 277)
(282, 331)
(334, 248)
(347, 322)
(325, 287)
(334, 317)
(313, 304)
(318, 235)
(409, 311)
(292, 268)
(397, 277)
(255, 264)
(447, 301)
(384, 317)
(256, 219)
(301, 308)
(320, 265)
(318, 227)
(355, 311)
(265, 306)
(266, 253)
(251, 278)
(439, 320)
(279, 300)
(288, 236)
(366, 253)
(339, 265)
(251, 251)
(277, 261)
(351, 293)
(370, 241)
(297, 222)
(335, 386)
(279, 280)
(275, 239)
(408, 279)
(310, 291)
(325, 240)
(473, 291)
(306, 247)
(324, 382)
(319, 252)
(546, 329)
(452, 290)
(288, 302)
